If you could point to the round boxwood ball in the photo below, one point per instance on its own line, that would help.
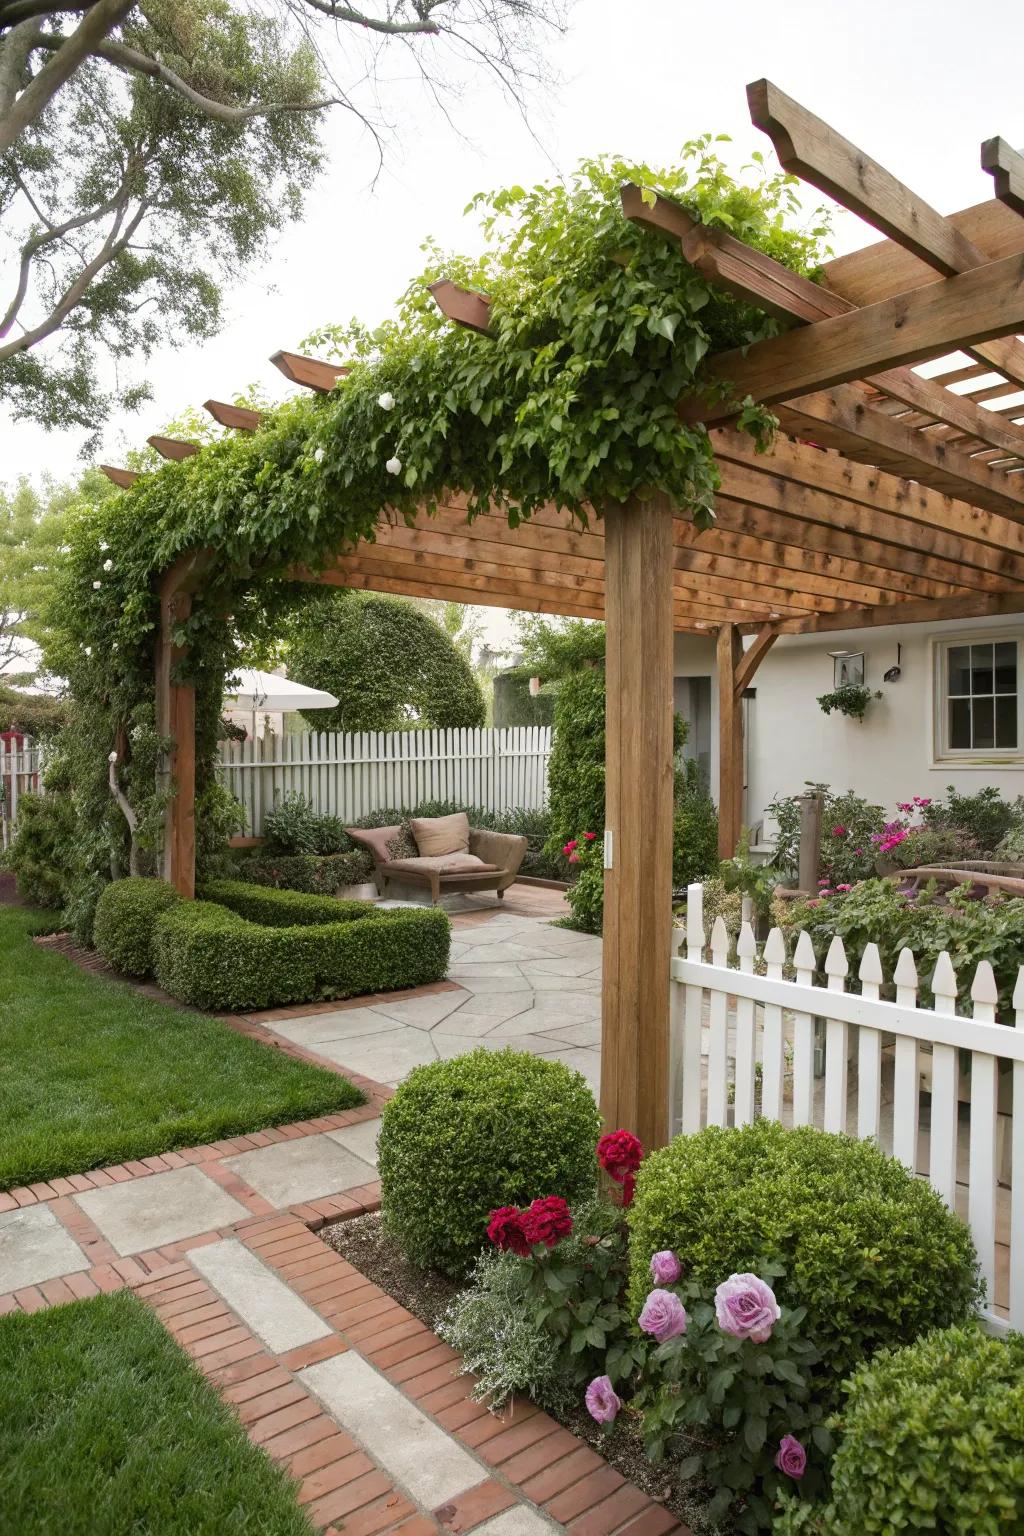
(874, 1254)
(462, 1137)
(126, 915)
(931, 1441)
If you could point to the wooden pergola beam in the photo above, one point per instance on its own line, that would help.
(977, 606)
(311, 372)
(173, 448)
(239, 417)
(1006, 167)
(465, 306)
(120, 477)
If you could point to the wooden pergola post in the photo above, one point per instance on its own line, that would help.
(176, 723)
(730, 741)
(638, 815)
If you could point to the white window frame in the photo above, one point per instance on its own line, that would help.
(972, 756)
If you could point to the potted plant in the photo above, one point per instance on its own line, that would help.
(852, 700)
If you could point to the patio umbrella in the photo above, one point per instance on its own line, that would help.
(265, 692)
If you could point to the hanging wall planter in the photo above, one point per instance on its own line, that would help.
(853, 700)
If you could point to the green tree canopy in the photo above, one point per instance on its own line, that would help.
(389, 665)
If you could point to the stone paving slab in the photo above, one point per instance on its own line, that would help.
(35, 1247)
(148, 1213)
(360, 1139)
(320, 1028)
(263, 1301)
(295, 1172)
(387, 1057)
(414, 1450)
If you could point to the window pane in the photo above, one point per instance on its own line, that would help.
(984, 727)
(1006, 721)
(1006, 666)
(981, 670)
(959, 669)
(960, 724)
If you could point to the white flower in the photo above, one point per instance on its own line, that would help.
(88, 650)
(386, 401)
(103, 547)
(393, 466)
(108, 565)
(96, 585)
(111, 757)
(319, 456)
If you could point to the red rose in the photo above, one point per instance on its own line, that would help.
(620, 1154)
(547, 1221)
(506, 1230)
(590, 836)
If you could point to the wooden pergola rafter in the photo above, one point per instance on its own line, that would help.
(891, 497)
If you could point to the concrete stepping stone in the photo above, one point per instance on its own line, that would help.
(164, 1208)
(575, 1034)
(35, 1247)
(295, 1172)
(319, 1028)
(491, 985)
(423, 1012)
(466, 970)
(411, 1448)
(559, 965)
(520, 1520)
(360, 1139)
(265, 1304)
(386, 1057)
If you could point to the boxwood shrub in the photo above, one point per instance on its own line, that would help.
(873, 1253)
(462, 1137)
(932, 1440)
(214, 955)
(319, 874)
(126, 916)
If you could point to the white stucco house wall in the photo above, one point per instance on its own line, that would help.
(955, 715)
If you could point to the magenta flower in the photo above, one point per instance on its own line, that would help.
(905, 805)
(858, 851)
(922, 802)
(746, 1308)
(823, 880)
(838, 831)
(826, 891)
(814, 903)
(665, 1267)
(844, 887)
(663, 1315)
(572, 858)
(792, 1458)
(602, 1400)
(590, 836)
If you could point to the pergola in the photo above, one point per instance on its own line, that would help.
(888, 498)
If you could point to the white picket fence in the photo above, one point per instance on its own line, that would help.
(20, 768)
(741, 1019)
(353, 773)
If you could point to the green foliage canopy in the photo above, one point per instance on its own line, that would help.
(388, 664)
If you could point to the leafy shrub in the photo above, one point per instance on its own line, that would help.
(576, 765)
(464, 1136)
(695, 828)
(848, 825)
(721, 902)
(931, 1441)
(320, 875)
(252, 947)
(874, 1254)
(878, 911)
(219, 816)
(125, 922)
(291, 827)
(932, 845)
(40, 852)
(985, 816)
(586, 897)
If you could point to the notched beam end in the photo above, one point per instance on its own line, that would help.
(653, 210)
(120, 477)
(1006, 167)
(237, 416)
(464, 306)
(311, 372)
(174, 448)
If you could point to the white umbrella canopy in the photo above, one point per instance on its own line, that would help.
(264, 691)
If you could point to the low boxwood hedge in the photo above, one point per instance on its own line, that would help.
(244, 947)
(126, 914)
(318, 874)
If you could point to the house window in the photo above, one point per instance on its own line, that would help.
(980, 697)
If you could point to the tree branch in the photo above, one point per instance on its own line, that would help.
(15, 50)
(97, 23)
(14, 11)
(423, 25)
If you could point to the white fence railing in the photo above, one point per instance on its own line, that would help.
(351, 774)
(746, 1039)
(19, 771)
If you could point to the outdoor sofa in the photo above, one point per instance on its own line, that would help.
(451, 856)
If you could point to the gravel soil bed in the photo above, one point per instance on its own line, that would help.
(426, 1294)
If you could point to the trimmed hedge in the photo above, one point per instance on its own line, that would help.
(464, 1136)
(126, 915)
(932, 1439)
(250, 947)
(317, 874)
(874, 1255)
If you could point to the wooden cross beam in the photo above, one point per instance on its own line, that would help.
(120, 477)
(172, 447)
(976, 606)
(237, 416)
(810, 149)
(465, 306)
(311, 372)
(1006, 167)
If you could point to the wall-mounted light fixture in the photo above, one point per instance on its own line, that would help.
(894, 673)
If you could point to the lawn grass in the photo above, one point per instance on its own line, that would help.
(93, 1073)
(108, 1429)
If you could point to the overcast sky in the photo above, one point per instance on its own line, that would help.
(907, 80)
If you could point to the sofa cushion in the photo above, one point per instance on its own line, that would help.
(441, 834)
(377, 839)
(444, 864)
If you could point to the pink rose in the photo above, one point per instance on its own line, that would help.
(602, 1401)
(844, 887)
(838, 831)
(665, 1267)
(858, 851)
(590, 836)
(746, 1308)
(663, 1315)
(792, 1458)
(823, 880)
(572, 858)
